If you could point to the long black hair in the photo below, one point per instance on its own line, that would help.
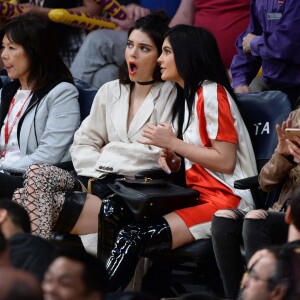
(155, 25)
(197, 59)
(33, 34)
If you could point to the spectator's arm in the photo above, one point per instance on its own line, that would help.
(279, 166)
(245, 67)
(283, 42)
(90, 7)
(133, 12)
(184, 14)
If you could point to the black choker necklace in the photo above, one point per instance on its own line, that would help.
(146, 82)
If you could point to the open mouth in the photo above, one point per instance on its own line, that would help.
(132, 68)
(162, 70)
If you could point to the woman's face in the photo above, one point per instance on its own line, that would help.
(15, 60)
(167, 64)
(141, 56)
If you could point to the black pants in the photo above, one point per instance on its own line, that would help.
(8, 184)
(229, 234)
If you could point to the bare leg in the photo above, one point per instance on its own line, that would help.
(88, 219)
(181, 234)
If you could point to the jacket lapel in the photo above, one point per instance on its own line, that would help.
(144, 112)
(24, 139)
(118, 111)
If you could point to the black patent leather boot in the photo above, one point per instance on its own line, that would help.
(113, 216)
(133, 241)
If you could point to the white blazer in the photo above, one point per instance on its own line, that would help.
(103, 144)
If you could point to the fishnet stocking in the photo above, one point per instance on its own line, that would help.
(43, 196)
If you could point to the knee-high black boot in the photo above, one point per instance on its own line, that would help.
(70, 212)
(133, 241)
(113, 216)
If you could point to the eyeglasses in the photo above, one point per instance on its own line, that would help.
(253, 275)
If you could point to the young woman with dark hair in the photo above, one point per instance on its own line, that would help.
(105, 146)
(216, 147)
(39, 110)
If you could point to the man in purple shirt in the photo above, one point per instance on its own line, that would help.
(272, 42)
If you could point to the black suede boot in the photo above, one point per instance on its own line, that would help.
(133, 241)
(113, 216)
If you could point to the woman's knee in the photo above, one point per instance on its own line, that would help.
(33, 169)
(227, 213)
(257, 214)
(87, 221)
(255, 224)
(17, 196)
(226, 221)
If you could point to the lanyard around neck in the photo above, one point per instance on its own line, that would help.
(7, 130)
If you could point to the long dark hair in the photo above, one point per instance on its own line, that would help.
(32, 32)
(197, 58)
(155, 25)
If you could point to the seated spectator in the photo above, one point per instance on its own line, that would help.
(39, 110)
(75, 275)
(102, 52)
(265, 278)
(274, 273)
(284, 280)
(213, 141)
(27, 252)
(260, 228)
(105, 146)
(271, 42)
(19, 285)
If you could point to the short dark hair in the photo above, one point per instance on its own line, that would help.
(155, 25)
(294, 203)
(17, 213)
(33, 34)
(281, 272)
(287, 270)
(94, 277)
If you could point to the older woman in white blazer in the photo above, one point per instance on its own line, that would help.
(39, 111)
(106, 144)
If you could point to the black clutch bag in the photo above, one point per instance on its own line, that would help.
(153, 197)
